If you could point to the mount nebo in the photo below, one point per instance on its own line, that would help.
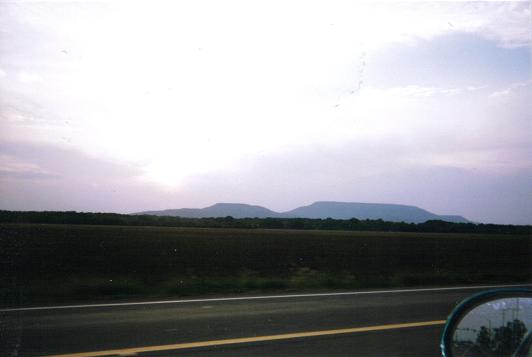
(336, 210)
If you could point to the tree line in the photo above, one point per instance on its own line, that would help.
(353, 224)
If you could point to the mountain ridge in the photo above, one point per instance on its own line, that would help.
(319, 209)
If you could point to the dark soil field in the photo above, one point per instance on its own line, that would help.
(63, 263)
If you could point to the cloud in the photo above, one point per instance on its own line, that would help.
(420, 91)
(512, 89)
(507, 23)
(26, 77)
(11, 167)
(60, 162)
(500, 93)
(46, 177)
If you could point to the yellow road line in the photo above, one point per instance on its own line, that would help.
(286, 336)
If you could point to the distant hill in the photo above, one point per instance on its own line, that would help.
(387, 212)
(336, 210)
(235, 210)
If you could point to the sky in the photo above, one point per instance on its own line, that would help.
(125, 106)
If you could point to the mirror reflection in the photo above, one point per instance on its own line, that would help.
(496, 328)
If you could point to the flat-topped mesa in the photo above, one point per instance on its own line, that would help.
(320, 209)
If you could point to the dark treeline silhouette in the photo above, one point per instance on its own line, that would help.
(502, 341)
(353, 224)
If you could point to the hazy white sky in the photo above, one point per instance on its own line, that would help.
(134, 105)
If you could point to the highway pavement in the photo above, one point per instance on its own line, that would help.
(404, 322)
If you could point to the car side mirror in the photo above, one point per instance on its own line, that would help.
(492, 323)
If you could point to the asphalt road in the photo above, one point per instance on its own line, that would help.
(311, 325)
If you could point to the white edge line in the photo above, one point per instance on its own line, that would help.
(259, 297)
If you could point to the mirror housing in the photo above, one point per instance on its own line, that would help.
(491, 323)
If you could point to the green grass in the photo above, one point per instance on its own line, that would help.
(60, 263)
